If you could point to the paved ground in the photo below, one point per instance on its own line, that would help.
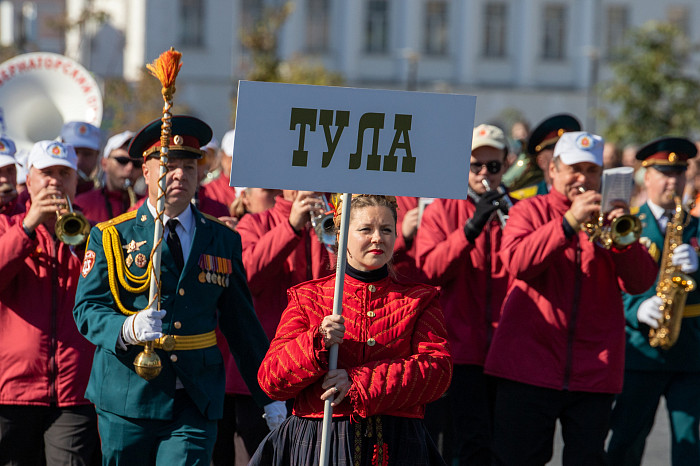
(657, 451)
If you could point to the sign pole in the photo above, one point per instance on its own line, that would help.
(337, 310)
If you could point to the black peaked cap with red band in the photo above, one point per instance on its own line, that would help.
(187, 135)
(548, 132)
(667, 154)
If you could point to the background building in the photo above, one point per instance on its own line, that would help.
(535, 57)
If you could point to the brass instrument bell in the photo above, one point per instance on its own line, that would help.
(323, 223)
(622, 231)
(72, 227)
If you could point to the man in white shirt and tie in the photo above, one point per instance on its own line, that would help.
(171, 419)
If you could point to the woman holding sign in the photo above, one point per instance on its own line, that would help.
(393, 357)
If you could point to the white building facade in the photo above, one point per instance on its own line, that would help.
(535, 56)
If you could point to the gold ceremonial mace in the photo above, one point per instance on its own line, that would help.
(147, 363)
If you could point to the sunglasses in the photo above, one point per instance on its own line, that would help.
(493, 167)
(125, 160)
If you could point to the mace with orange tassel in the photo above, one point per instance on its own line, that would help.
(166, 67)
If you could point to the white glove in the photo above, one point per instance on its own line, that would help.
(649, 312)
(145, 325)
(685, 256)
(275, 414)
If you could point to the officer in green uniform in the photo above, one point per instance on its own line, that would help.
(540, 148)
(653, 372)
(170, 419)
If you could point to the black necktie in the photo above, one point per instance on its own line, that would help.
(174, 244)
(665, 218)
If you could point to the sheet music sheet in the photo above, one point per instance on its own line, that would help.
(617, 184)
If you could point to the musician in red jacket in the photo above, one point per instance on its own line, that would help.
(458, 245)
(559, 348)
(393, 357)
(44, 360)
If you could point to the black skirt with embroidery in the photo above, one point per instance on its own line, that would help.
(379, 440)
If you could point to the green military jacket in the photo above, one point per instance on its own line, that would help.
(195, 305)
(685, 354)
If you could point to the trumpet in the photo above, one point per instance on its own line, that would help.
(322, 223)
(72, 227)
(623, 231)
(505, 199)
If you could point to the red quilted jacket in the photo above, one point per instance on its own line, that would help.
(395, 349)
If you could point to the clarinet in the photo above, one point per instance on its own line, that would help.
(502, 217)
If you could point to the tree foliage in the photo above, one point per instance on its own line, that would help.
(261, 43)
(130, 105)
(652, 93)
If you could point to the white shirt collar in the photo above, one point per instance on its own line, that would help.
(657, 210)
(186, 217)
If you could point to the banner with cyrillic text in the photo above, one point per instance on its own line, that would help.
(338, 139)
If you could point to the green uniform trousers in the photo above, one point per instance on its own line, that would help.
(635, 409)
(188, 439)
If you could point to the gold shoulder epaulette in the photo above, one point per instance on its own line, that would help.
(634, 210)
(524, 193)
(214, 219)
(117, 220)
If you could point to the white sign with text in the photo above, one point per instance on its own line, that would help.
(339, 139)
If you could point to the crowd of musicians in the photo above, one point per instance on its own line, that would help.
(470, 327)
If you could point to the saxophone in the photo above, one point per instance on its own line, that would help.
(673, 286)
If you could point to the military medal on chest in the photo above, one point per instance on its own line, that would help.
(214, 270)
(140, 260)
(133, 246)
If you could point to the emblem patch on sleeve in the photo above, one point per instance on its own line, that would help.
(88, 262)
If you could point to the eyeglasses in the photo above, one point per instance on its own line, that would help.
(493, 167)
(125, 160)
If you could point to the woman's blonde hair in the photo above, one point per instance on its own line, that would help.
(366, 200)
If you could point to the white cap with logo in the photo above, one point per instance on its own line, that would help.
(81, 134)
(579, 146)
(50, 153)
(488, 136)
(7, 151)
(227, 142)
